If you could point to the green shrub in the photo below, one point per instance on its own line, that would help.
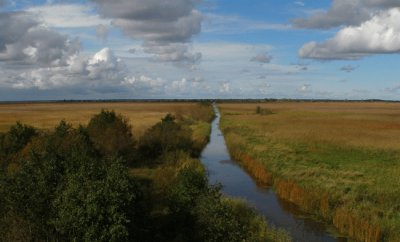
(201, 213)
(65, 191)
(164, 137)
(189, 186)
(95, 203)
(111, 134)
(13, 141)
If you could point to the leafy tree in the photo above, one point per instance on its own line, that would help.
(182, 199)
(95, 202)
(31, 188)
(14, 140)
(17, 137)
(3, 202)
(165, 136)
(29, 193)
(217, 221)
(202, 214)
(65, 191)
(189, 186)
(68, 145)
(111, 134)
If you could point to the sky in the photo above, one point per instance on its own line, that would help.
(159, 49)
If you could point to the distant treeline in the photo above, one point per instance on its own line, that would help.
(246, 100)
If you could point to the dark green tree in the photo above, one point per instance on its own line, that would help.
(165, 136)
(182, 199)
(65, 191)
(13, 141)
(17, 137)
(29, 194)
(111, 134)
(190, 184)
(94, 204)
(202, 214)
(217, 221)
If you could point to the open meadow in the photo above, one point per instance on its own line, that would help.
(47, 115)
(338, 161)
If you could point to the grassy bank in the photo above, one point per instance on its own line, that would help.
(338, 161)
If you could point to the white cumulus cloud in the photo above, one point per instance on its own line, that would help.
(381, 34)
(345, 13)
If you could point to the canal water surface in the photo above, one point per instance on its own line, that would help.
(237, 183)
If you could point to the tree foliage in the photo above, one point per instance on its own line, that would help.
(67, 190)
(14, 140)
(111, 134)
(165, 136)
(93, 203)
(203, 214)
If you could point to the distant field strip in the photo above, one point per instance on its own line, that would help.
(48, 115)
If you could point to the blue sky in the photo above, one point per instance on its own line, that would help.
(103, 49)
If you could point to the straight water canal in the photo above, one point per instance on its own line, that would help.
(237, 183)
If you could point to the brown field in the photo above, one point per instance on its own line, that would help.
(48, 115)
(337, 161)
(374, 125)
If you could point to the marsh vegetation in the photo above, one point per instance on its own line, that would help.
(340, 162)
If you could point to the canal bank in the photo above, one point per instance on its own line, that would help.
(237, 183)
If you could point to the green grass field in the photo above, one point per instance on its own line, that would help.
(338, 161)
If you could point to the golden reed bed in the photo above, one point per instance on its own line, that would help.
(47, 115)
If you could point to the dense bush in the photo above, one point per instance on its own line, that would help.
(13, 141)
(201, 213)
(164, 137)
(111, 134)
(65, 189)
(16, 138)
(94, 202)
